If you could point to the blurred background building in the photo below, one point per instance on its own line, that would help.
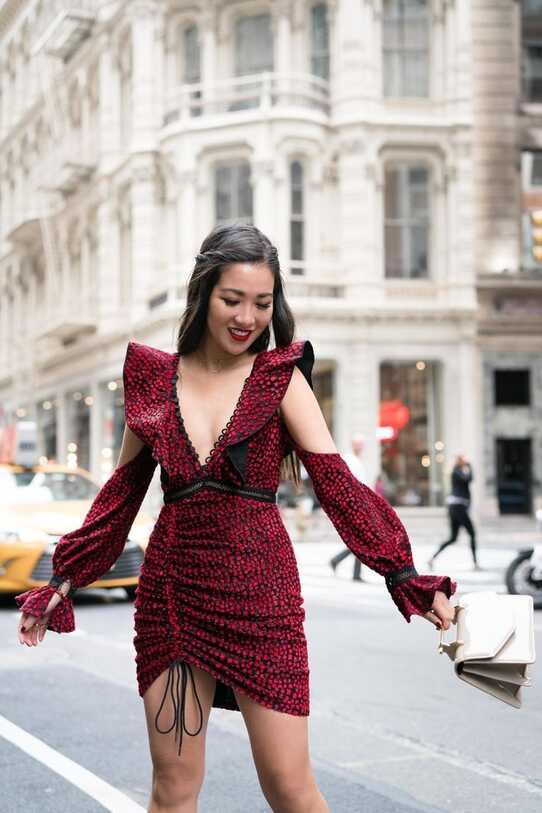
(392, 149)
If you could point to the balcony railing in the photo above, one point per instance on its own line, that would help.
(263, 91)
(63, 26)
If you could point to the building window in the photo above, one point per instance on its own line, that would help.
(191, 66)
(412, 450)
(233, 193)
(253, 55)
(405, 48)
(406, 226)
(512, 387)
(320, 41)
(531, 41)
(253, 44)
(191, 55)
(297, 218)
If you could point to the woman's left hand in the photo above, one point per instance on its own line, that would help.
(442, 612)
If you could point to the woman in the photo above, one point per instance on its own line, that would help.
(218, 602)
(458, 503)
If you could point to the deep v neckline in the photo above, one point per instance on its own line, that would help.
(177, 376)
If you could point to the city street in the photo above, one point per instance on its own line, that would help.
(391, 727)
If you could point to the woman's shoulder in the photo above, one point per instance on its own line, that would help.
(137, 352)
(283, 359)
(145, 365)
(289, 353)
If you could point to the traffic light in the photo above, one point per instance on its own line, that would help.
(536, 234)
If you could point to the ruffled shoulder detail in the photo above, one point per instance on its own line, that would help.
(268, 383)
(146, 374)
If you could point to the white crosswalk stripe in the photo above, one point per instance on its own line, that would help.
(321, 585)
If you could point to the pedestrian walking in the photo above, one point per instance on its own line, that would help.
(354, 461)
(458, 503)
(219, 612)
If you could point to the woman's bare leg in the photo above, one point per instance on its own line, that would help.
(177, 780)
(280, 747)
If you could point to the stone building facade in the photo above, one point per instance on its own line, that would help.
(507, 108)
(355, 133)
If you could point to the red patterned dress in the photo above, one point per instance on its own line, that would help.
(219, 586)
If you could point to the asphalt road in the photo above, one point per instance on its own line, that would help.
(391, 727)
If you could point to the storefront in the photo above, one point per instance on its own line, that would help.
(410, 433)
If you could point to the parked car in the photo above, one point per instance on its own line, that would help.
(40, 503)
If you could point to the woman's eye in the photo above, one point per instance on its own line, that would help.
(232, 302)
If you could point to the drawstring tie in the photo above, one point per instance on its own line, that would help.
(179, 700)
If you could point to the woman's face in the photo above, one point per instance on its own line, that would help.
(242, 300)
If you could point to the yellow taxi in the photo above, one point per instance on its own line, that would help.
(38, 504)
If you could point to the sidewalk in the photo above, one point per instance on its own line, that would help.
(510, 532)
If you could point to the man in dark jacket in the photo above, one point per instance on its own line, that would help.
(458, 509)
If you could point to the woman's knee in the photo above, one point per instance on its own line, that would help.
(288, 790)
(177, 785)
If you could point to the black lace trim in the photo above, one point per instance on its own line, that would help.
(180, 422)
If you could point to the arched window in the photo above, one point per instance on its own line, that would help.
(233, 192)
(405, 48)
(191, 55)
(297, 218)
(253, 44)
(406, 220)
(320, 41)
(191, 66)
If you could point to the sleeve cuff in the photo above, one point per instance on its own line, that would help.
(34, 602)
(416, 595)
(56, 581)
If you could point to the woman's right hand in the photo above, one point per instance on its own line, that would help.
(31, 629)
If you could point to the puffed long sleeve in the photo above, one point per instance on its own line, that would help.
(372, 530)
(82, 556)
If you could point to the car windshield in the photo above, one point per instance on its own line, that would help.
(44, 486)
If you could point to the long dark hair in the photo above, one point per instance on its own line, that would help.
(237, 243)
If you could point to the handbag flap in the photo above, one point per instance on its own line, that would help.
(496, 626)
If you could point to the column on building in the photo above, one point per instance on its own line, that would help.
(169, 223)
(109, 105)
(107, 300)
(360, 187)
(186, 225)
(62, 427)
(145, 223)
(263, 196)
(96, 429)
(314, 185)
(363, 402)
(146, 22)
(208, 39)
(282, 34)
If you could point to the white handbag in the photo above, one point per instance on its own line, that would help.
(495, 643)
